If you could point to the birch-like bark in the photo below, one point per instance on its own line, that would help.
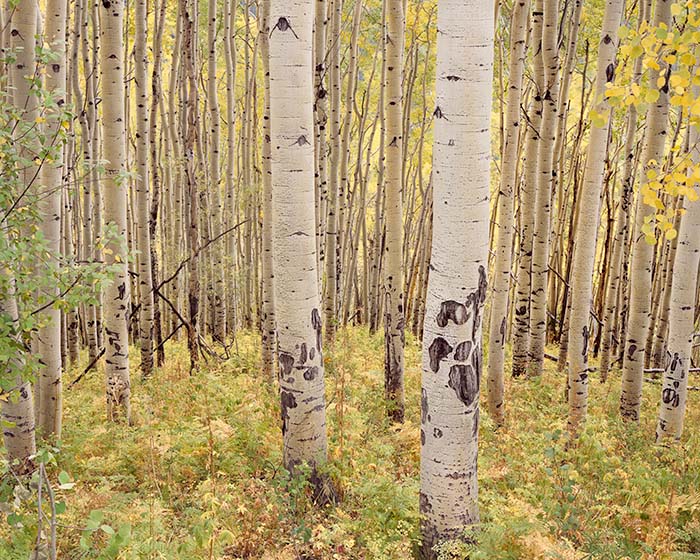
(218, 271)
(528, 193)
(333, 247)
(301, 370)
(17, 411)
(49, 402)
(681, 330)
(546, 174)
(457, 285)
(640, 288)
(143, 180)
(587, 230)
(394, 322)
(509, 168)
(116, 293)
(269, 335)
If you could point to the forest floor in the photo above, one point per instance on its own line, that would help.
(198, 475)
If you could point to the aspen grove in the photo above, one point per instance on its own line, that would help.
(350, 279)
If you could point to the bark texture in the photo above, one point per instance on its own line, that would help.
(457, 284)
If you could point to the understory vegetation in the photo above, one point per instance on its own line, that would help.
(198, 474)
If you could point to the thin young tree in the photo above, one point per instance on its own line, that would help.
(509, 168)
(116, 293)
(642, 255)
(48, 394)
(586, 235)
(394, 305)
(143, 180)
(681, 331)
(457, 285)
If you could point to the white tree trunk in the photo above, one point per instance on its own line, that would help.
(116, 293)
(587, 229)
(143, 214)
(640, 269)
(394, 307)
(452, 351)
(49, 405)
(502, 267)
(682, 323)
(301, 372)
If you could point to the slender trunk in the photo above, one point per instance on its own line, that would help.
(393, 276)
(49, 400)
(683, 308)
(587, 230)
(528, 191)
(545, 180)
(509, 169)
(116, 293)
(638, 320)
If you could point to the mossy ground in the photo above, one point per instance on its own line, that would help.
(199, 476)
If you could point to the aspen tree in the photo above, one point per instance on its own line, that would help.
(528, 192)
(509, 167)
(116, 293)
(219, 309)
(321, 122)
(268, 277)
(143, 179)
(300, 358)
(681, 330)
(640, 268)
(394, 305)
(154, 141)
(333, 225)
(17, 412)
(457, 285)
(189, 124)
(587, 230)
(546, 174)
(622, 229)
(230, 199)
(49, 400)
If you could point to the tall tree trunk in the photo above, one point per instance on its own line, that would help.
(638, 319)
(509, 169)
(528, 193)
(333, 225)
(219, 308)
(301, 371)
(587, 230)
(269, 335)
(17, 412)
(143, 179)
(49, 400)
(116, 293)
(457, 285)
(681, 331)
(546, 175)
(394, 304)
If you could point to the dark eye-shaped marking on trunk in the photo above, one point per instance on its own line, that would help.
(438, 351)
(423, 406)
(302, 353)
(283, 25)
(452, 310)
(310, 373)
(464, 382)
